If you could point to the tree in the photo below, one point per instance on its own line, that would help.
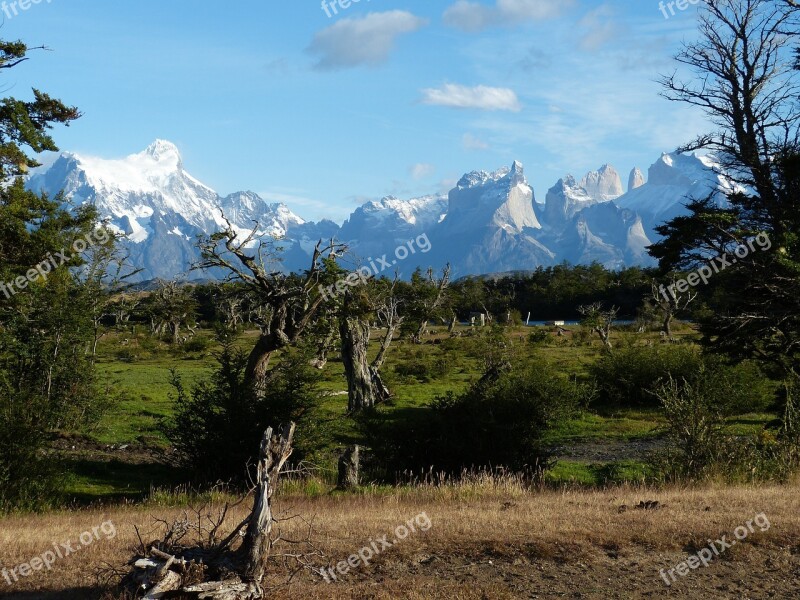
(291, 302)
(220, 419)
(600, 321)
(172, 307)
(378, 300)
(104, 279)
(744, 84)
(47, 380)
(425, 297)
(670, 302)
(24, 125)
(744, 81)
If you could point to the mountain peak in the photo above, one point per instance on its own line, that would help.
(163, 150)
(636, 179)
(603, 184)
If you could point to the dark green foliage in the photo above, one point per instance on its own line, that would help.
(219, 423)
(26, 124)
(425, 369)
(498, 422)
(552, 293)
(632, 376)
(538, 337)
(47, 378)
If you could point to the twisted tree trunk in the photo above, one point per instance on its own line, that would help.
(355, 340)
(217, 572)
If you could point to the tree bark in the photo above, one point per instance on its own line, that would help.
(163, 574)
(349, 465)
(355, 340)
(385, 343)
(668, 325)
(275, 451)
(453, 323)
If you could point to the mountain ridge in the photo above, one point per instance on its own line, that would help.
(489, 222)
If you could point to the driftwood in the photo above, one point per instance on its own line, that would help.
(218, 571)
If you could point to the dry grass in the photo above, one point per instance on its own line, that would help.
(487, 540)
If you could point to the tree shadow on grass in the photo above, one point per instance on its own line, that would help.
(114, 481)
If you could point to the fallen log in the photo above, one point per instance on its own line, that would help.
(219, 572)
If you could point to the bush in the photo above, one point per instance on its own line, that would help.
(28, 479)
(197, 344)
(424, 370)
(632, 377)
(538, 337)
(701, 449)
(497, 422)
(219, 423)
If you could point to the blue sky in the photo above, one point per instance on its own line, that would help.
(395, 97)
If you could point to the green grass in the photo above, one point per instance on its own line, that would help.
(146, 396)
(141, 368)
(624, 425)
(96, 480)
(599, 474)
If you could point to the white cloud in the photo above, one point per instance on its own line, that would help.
(471, 142)
(474, 16)
(600, 27)
(481, 97)
(421, 171)
(361, 41)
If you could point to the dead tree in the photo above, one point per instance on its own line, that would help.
(349, 464)
(365, 384)
(291, 302)
(670, 302)
(219, 571)
(431, 298)
(389, 317)
(599, 321)
(355, 342)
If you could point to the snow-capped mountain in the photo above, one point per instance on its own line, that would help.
(673, 181)
(490, 222)
(603, 184)
(391, 222)
(160, 208)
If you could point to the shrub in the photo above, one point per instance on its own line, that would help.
(497, 422)
(538, 337)
(197, 344)
(633, 376)
(701, 449)
(425, 370)
(219, 423)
